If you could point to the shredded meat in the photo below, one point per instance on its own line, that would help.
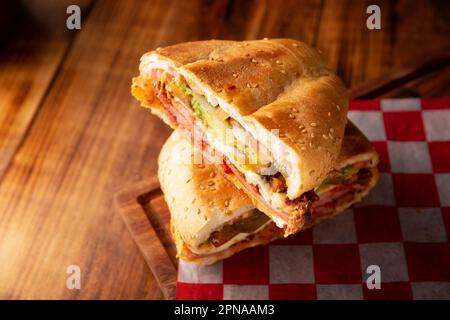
(364, 176)
(302, 214)
(277, 183)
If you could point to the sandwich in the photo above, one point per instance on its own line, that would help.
(271, 110)
(211, 219)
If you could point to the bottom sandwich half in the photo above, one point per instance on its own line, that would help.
(211, 219)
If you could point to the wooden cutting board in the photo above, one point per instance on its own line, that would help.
(147, 217)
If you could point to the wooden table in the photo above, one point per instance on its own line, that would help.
(71, 135)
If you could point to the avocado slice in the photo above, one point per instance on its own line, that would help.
(208, 114)
(246, 225)
(343, 176)
(178, 87)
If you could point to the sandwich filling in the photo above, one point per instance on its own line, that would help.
(247, 225)
(341, 190)
(251, 163)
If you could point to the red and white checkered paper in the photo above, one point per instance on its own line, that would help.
(403, 225)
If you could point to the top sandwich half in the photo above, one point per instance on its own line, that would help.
(277, 95)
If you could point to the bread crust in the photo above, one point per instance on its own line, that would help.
(277, 84)
(356, 147)
(199, 198)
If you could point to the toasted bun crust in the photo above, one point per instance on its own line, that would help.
(278, 84)
(356, 147)
(199, 198)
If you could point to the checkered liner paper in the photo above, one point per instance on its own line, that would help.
(403, 225)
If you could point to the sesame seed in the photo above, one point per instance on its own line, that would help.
(325, 136)
(248, 85)
(278, 62)
(235, 75)
(254, 60)
(304, 130)
(212, 174)
(266, 39)
(202, 187)
(338, 107)
(245, 44)
(211, 203)
(210, 183)
(330, 135)
(310, 144)
(331, 130)
(313, 124)
(329, 114)
(291, 116)
(193, 200)
(283, 72)
(198, 211)
(312, 135)
(212, 188)
(294, 110)
(227, 203)
(295, 45)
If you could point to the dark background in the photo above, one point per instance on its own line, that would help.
(71, 135)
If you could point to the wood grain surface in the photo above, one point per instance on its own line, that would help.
(147, 217)
(28, 63)
(75, 137)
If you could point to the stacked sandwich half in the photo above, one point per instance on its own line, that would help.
(262, 147)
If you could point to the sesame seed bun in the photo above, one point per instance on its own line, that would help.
(199, 198)
(265, 85)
